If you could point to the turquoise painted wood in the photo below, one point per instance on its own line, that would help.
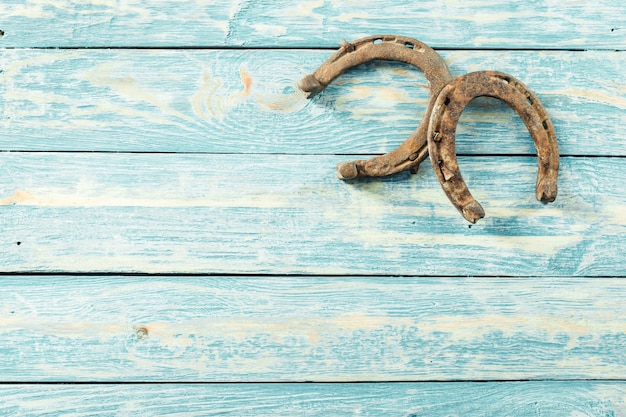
(498, 24)
(295, 329)
(244, 101)
(169, 213)
(173, 213)
(556, 399)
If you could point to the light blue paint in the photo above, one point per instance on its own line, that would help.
(185, 213)
(295, 329)
(273, 206)
(196, 101)
(287, 23)
(556, 399)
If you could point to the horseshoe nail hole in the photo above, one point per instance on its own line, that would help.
(437, 126)
(545, 124)
(409, 45)
(446, 101)
(445, 172)
(378, 41)
(448, 175)
(505, 80)
(530, 100)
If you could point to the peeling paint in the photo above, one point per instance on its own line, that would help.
(25, 198)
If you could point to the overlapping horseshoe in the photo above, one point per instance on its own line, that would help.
(436, 133)
(442, 127)
(391, 48)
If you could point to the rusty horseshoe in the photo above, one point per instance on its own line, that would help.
(390, 48)
(442, 127)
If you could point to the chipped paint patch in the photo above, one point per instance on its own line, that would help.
(24, 198)
(347, 17)
(28, 11)
(246, 80)
(268, 30)
(591, 95)
(129, 89)
(206, 103)
(540, 245)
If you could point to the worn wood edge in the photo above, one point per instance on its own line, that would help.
(172, 213)
(469, 24)
(296, 329)
(208, 101)
(557, 399)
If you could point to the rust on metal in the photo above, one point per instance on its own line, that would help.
(390, 48)
(436, 132)
(442, 127)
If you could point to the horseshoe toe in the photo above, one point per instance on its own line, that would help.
(445, 116)
(391, 48)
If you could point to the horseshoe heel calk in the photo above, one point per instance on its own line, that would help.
(473, 211)
(546, 190)
(391, 48)
(547, 178)
(442, 129)
(452, 183)
(348, 170)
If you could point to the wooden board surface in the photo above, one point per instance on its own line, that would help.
(312, 23)
(555, 399)
(186, 154)
(184, 213)
(295, 329)
(246, 102)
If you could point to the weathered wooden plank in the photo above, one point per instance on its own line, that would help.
(280, 328)
(245, 101)
(556, 399)
(306, 23)
(290, 214)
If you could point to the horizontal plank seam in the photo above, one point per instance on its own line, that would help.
(451, 381)
(356, 155)
(35, 274)
(287, 48)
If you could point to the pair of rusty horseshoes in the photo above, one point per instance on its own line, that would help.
(436, 132)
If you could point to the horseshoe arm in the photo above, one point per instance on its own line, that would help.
(442, 129)
(391, 48)
(407, 156)
(381, 47)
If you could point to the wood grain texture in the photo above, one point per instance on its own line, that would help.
(246, 102)
(306, 23)
(280, 328)
(290, 214)
(555, 399)
(378, 287)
